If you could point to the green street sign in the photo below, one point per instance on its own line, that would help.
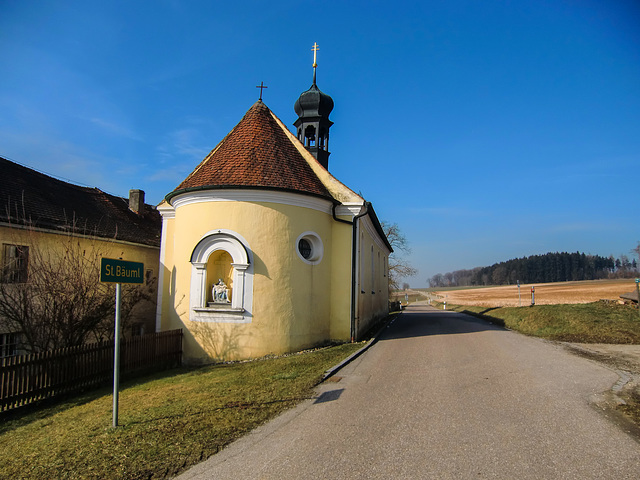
(121, 271)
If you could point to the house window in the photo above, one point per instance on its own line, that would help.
(15, 263)
(137, 329)
(9, 344)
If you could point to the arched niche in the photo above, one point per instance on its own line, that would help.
(218, 246)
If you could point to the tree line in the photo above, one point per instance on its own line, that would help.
(550, 267)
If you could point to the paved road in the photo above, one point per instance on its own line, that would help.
(443, 395)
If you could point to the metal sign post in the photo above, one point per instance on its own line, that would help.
(638, 293)
(116, 358)
(519, 297)
(119, 272)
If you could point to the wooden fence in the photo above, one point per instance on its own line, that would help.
(26, 379)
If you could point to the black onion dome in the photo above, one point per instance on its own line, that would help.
(313, 103)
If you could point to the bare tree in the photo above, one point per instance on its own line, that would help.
(636, 252)
(399, 267)
(59, 300)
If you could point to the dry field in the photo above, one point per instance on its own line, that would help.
(545, 293)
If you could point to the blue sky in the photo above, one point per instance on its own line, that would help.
(487, 130)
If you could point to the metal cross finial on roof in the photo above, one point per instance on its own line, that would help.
(315, 65)
(261, 87)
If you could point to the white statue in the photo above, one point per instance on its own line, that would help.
(220, 292)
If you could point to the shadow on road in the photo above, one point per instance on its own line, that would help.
(419, 321)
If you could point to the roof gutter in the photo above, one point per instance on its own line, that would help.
(170, 196)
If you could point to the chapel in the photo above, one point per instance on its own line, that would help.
(263, 250)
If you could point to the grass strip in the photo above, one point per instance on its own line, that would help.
(168, 422)
(596, 322)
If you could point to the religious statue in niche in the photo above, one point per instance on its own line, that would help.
(220, 292)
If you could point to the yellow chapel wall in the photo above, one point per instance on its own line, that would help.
(341, 272)
(372, 274)
(169, 304)
(293, 302)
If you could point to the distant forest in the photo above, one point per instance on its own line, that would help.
(550, 267)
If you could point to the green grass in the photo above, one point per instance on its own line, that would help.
(168, 422)
(596, 322)
(412, 298)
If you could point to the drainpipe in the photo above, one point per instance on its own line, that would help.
(354, 253)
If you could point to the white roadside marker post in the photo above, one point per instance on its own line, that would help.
(519, 296)
(533, 296)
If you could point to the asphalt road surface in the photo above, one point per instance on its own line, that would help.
(443, 395)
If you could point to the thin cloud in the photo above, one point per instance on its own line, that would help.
(580, 227)
(183, 143)
(116, 129)
(449, 211)
(172, 174)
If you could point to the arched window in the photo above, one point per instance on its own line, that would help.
(362, 263)
(373, 272)
(221, 259)
(380, 270)
(310, 136)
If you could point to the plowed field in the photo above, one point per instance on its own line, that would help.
(545, 293)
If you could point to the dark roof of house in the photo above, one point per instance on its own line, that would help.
(257, 153)
(31, 198)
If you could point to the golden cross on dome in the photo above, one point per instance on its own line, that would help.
(315, 51)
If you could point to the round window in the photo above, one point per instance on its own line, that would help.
(309, 248)
(304, 247)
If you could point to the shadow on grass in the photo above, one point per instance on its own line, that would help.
(483, 316)
(47, 407)
(231, 405)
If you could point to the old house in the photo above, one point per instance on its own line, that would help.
(39, 213)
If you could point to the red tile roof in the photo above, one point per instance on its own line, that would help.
(31, 198)
(256, 154)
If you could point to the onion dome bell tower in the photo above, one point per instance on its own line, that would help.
(313, 109)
